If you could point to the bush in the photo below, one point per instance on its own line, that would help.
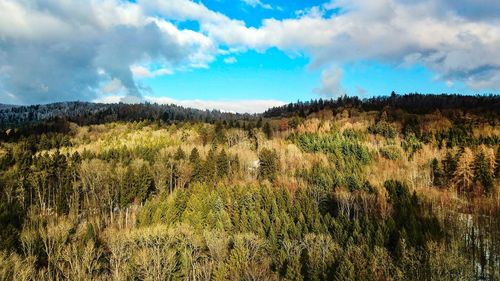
(391, 152)
(383, 128)
(269, 164)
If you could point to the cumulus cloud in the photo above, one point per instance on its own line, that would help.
(331, 83)
(59, 50)
(140, 71)
(458, 40)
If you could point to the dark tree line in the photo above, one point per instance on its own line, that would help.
(488, 105)
(86, 113)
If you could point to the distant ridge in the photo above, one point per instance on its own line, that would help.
(4, 106)
(85, 113)
(411, 103)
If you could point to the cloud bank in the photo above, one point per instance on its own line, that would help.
(457, 40)
(68, 50)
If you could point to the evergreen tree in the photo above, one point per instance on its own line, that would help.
(437, 173)
(222, 164)
(235, 165)
(179, 154)
(210, 166)
(219, 133)
(482, 173)
(449, 167)
(293, 269)
(268, 164)
(194, 157)
(345, 270)
(259, 123)
(268, 131)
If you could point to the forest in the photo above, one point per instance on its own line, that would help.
(401, 187)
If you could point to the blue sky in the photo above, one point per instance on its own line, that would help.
(274, 74)
(244, 55)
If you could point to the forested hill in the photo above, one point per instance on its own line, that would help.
(486, 105)
(4, 106)
(85, 113)
(348, 193)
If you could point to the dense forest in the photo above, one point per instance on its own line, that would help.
(86, 113)
(388, 188)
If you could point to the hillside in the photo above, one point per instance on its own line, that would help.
(390, 188)
(85, 113)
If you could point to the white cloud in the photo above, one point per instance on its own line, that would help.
(113, 86)
(331, 83)
(140, 71)
(55, 50)
(439, 34)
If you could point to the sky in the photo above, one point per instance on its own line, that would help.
(244, 55)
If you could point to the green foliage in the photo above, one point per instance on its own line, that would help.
(437, 173)
(450, 164)
(222, 164)
(194, 156)
(147, 211)
(219, 133)
(345, 151)
(409, 218)
(179, 154)
(411, 144)
(391, 152)
(268, 131)
(348, 155)
(353, 134)
(11, 221)
(384, 129)
(482, 173)
(268, 164)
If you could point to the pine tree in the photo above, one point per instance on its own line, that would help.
(269, 164)
(268, 131)
(204, 135)
(219, 133)
(194, 157)
(210, 166)
(293, 269)
(437, 173)
(259, 123)
(222, 164)
(179, 154)
(482, 173)
(345, 270)
(449, 168)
